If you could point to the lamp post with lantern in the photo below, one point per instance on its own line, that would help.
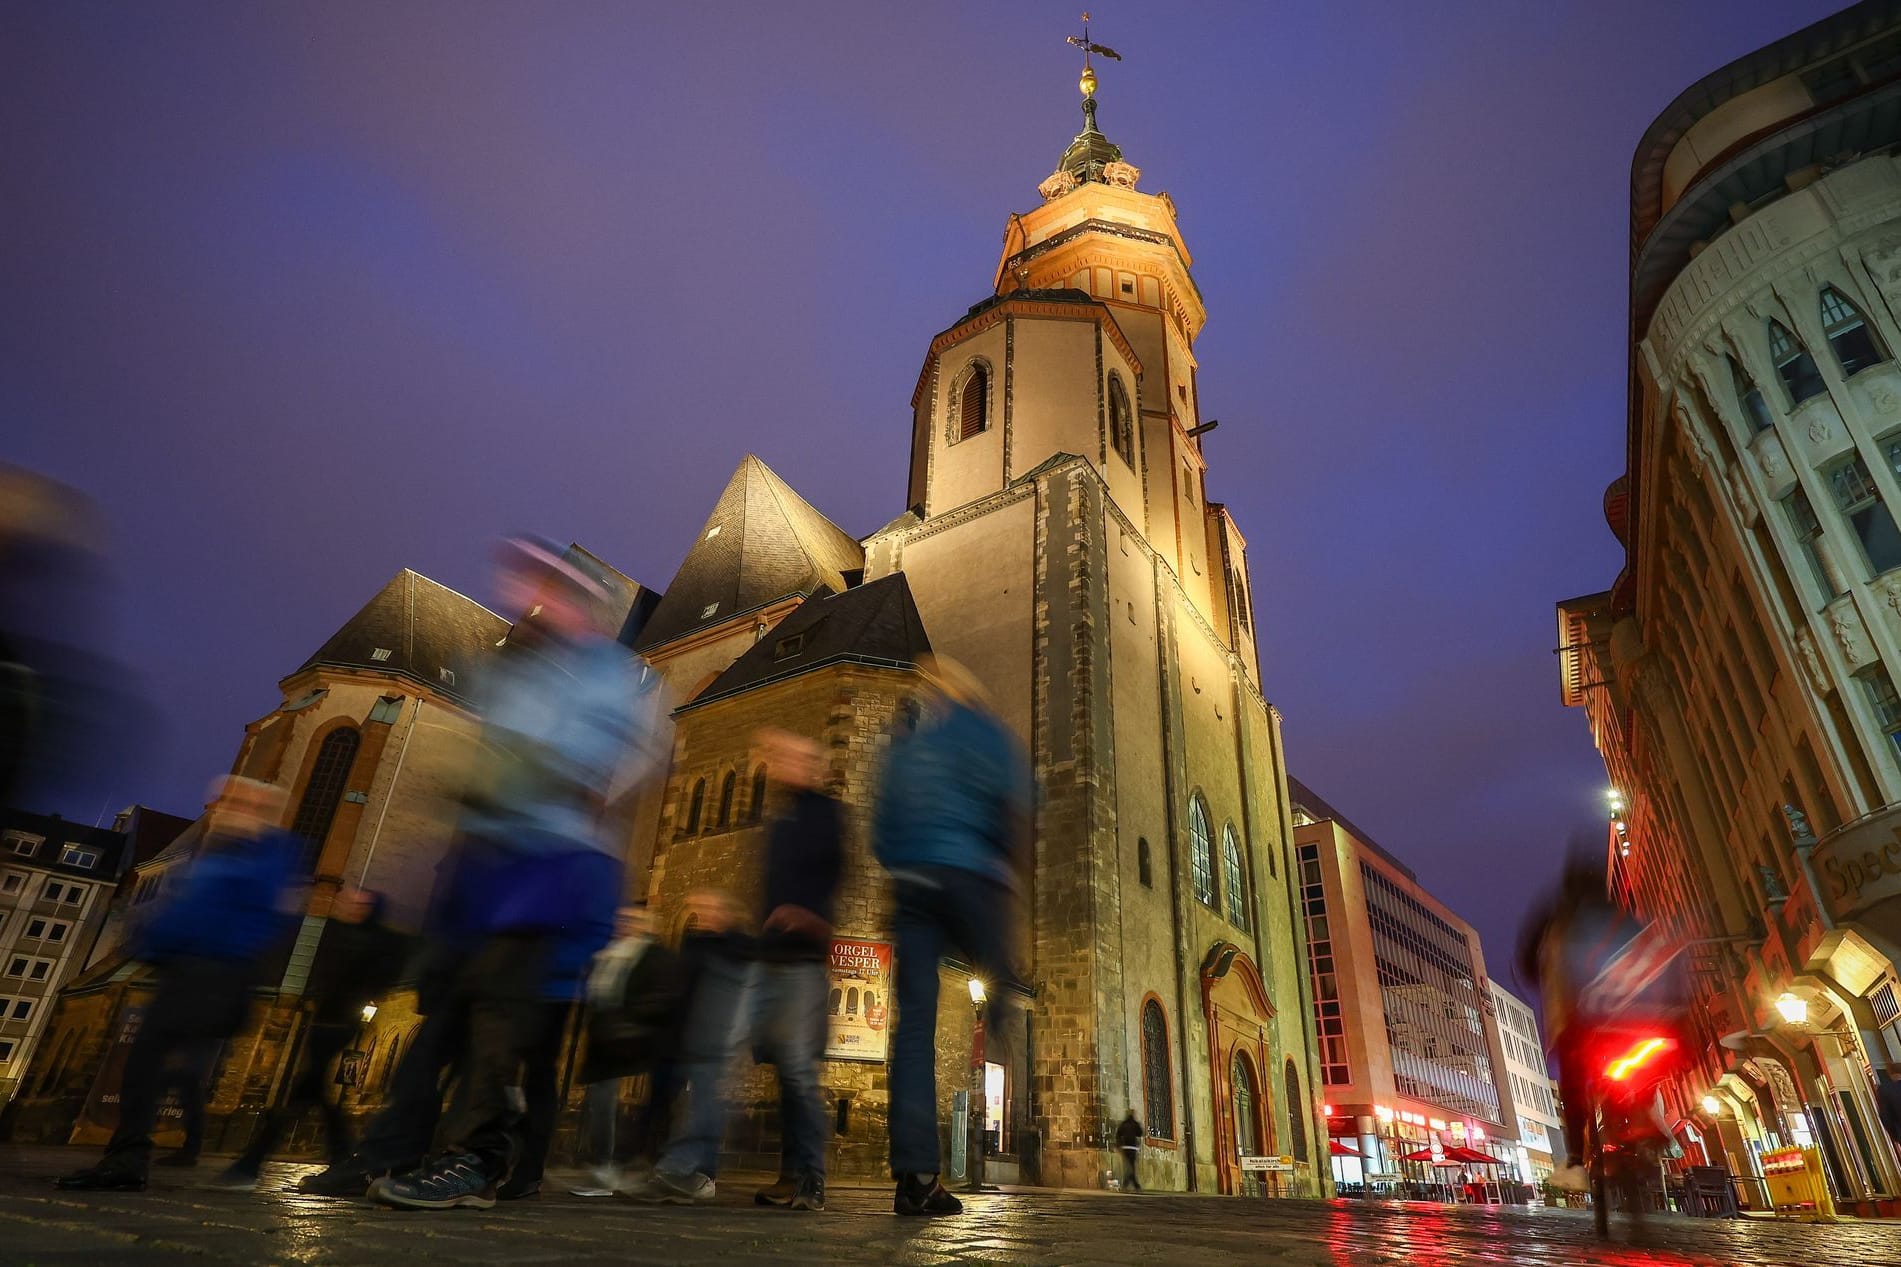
(979, 1102)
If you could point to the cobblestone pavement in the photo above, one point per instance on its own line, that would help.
(178, 1220)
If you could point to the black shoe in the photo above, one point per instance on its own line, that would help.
(103, 1178)
(516, 1189)
(780, 1193)
(450, 1181)
(810, 1194)
(181, 1159)
(349, 1179)
(918, 1194)
(237, 1177)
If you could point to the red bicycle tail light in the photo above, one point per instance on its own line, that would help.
(1639, 1055)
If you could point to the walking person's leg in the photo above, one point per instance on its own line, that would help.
(540, 1096)
(789, 1030)
(685, 1172)
(600, 1111)
(913, 1114)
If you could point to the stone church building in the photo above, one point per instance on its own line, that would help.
(1058, 540)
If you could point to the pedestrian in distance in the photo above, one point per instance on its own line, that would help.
(358, 958)
(951, 827)
(1129, 1140)
(804, 859)
(570, 718)
(233, 909)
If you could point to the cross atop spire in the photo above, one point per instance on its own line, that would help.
(1091, 157)
(1088, 81)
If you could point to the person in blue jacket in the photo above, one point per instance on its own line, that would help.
(236, 905)
(571, 719)
(952, 827)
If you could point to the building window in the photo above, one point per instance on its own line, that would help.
(1861, 505)
(324, 790)
(1142, 865)
(1247, 1123)
(10, 882)
(1201, 852)
(74, 894)
(1848, 333)
(388, 708)
(1236, 878)
(1808, 531)
(74, 856)
(22, 1009)
(58, 931)
(24, 845)
(6, 1050)
(1296, 1115)
(757, 810)
(725, 819)
(1750, 397)
(694, 805)
(973, 403)
(1793, 364)
(1121, 421)
(1886, 702)
(36, 929)
(1158, 1097)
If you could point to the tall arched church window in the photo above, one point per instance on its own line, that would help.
(1296, 1115)
(1143, 868)
(1236, 877)
(1755, 408)
(1247, 1123)
(725, 818)
(1158, 1096)
(1849, 333)
(328, 774)
(1201, 852)
(973, 404)
(1793, 364)
(695, 804)
(1121, 421)
(757, 809)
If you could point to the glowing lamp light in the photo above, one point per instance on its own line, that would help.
(1712, 1105)
(1327, 1109)
(1794, 1008)
(1383, 1113)
(369, 1013)
(1636, 1058)
(977, 994)
(1478, 1132)
(1438, 1124)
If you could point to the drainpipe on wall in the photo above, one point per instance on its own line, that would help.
(390, 795)
(1169, 824)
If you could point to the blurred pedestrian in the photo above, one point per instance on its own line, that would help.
(633, 998)
(952, 828)
(233, 909)
(804, 858)
(570, 716)
(1129, 1140)
(358, 959)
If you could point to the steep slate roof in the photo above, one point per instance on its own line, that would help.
(425, 628)
(622, 615)
(761, 543)
(1305, 797)
(876, 623)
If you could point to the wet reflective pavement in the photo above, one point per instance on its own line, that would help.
(180, 1220)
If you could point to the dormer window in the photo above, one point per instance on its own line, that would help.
(1793, 364)
(1849, 334)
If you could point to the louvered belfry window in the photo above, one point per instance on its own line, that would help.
(973, 407)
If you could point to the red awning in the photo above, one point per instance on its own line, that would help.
(1470, 1156)
(1424, 1154)
(1342, 1150)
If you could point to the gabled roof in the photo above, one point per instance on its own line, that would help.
(761, 543)
(875, 624)
(420, 629)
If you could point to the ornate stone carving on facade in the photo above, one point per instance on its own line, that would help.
(1811, 659)
(1819, 430)
(1884, 262)
(1889, 588)
(1059, 183)
(1774, 462)
(1742, 494)
(1850, 634)
(1882, 399)
(1121, 175)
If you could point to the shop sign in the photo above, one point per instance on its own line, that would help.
(1272, 1164)
(1860, 867)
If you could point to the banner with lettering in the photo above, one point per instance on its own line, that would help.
(858, 1004)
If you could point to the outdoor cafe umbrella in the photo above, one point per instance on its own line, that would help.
(1338, 1149)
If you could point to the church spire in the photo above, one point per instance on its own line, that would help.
(1091, 156)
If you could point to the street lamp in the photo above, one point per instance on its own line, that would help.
(1712, 1106)
(368, 1013)
(1794, 1008)
(979, 1106)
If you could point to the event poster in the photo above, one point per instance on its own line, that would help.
(858, 1005)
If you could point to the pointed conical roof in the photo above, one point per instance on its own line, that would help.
(761, 543)
(876, 623)
(418, 629)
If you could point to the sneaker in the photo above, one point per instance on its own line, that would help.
(236, 1177)
(591, 1192)
(810, 1194)
(639, 1187)
(607, 1179)
(103, 1178)
(346, 1180)
(918, 1195)
(779, 1193)
(1571, 1178)
(454, 1180)
(182, 1159)
(517, 1189)
(693, 1189)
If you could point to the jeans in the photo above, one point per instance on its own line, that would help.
(541, 1092)
(307, 1091)
(715, 1024)
(402, 1129)
(788, 1027)
(499, 994)
(939, 909)
(600, 1118)
(1128, 1168)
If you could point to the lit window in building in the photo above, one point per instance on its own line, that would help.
(1848, 333)
(1793, 364)
(1755, 408)
(1886, 702)
(1201, 852)
(1808, 531)
(1861, 505)
(1236, 878)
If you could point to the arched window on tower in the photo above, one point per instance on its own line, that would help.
(695, 804)
(328, 774)
(973, 405)
(1236, 877)
(1755, 408)
(1143, 868)
(757, 810)
(1849, 333)
(1793, 364)
(1296, 1115)
(1158, 1093)
(1121, 421)
(1201, 851)
(725, 818)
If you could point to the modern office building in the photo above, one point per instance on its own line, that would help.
(1740, 674)
(1539, 1133)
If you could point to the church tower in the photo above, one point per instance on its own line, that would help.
(1061, 544)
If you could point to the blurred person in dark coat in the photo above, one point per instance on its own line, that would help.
(233, 909)
(358, 959)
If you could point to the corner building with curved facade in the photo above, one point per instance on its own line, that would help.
(1740, 675)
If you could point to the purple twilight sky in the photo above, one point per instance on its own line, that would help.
(303, 294)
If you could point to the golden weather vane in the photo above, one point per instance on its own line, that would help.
(1088, 46)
